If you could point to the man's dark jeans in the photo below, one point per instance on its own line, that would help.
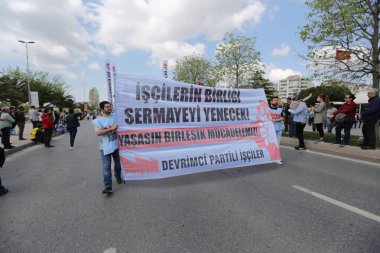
(299, 131)
(369, 134)
(107, 174)
(347, 132)
(5, 136)
(21, 126)
(34, 123)
(47, 137)
(73, 133)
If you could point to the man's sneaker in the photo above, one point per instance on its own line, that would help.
(71, 148)
(3, 191)
(119, 180)
(342, 145)
(280, 162)
(107, 190)
(299, 148)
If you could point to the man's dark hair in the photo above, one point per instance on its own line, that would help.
(33, 107)
(273, 98)
(71, 110)
(103, 103)
(352, 96)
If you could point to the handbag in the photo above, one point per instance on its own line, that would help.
(340, 117)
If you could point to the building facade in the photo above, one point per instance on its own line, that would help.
(292, 85)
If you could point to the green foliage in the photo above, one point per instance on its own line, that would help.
(193, 69)
(257, 81)
(237, 60)
(350, 25)
(13, 84)
(334, 91)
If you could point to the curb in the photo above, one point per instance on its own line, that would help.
(348, 151)
(18, 148)
(24, 146)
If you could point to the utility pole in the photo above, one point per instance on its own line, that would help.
(27, 67)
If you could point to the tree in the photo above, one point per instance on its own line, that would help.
(344, 38)
(11, 91)
(336, 92)
(237, 59)
(257, 81)
(14, 84)
(93, 96)
(193, 69)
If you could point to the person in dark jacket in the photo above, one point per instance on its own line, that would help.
(72, 123)
(20, 120)
(348, 108)
(370, 116)
(48, 125)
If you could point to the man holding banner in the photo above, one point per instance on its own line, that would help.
(105, 128)
(168, 128)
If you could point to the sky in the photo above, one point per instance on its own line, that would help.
(74, 38)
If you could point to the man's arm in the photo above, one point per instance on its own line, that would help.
(100, 132)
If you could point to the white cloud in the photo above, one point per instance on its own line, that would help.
(168, 25)
(94, 66)
(282, 51)
(70, 34)
(275, 74)
(67, 32)
(61, 42)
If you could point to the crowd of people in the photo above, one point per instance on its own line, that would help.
(293, 115)
(323, 115)
(45, 123)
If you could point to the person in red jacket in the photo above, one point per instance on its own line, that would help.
(48, 125)
(348, 108)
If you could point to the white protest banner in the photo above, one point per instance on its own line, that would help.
(168, 128)
(34, 99)
(109, 82)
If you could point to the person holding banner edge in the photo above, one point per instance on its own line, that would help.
(105, 128)
(277, 118)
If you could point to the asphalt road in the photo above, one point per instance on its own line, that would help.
(55, 205)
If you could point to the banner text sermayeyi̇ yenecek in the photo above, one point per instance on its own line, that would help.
(185, 114)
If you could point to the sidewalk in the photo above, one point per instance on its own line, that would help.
(347, 151)
(353, 152)
(19, 145)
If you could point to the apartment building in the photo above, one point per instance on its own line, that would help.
(292, 85)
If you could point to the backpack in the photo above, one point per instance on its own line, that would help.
(72, 121)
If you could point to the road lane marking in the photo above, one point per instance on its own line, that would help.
(110, 250)
(340, 204)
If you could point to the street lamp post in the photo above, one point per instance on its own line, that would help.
(27, 66)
